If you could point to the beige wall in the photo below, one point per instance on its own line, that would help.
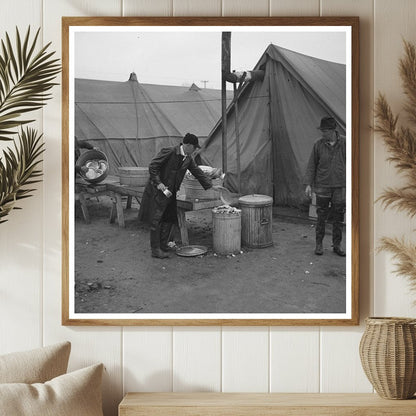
(288, 359)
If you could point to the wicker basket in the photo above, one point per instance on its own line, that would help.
(388, 356)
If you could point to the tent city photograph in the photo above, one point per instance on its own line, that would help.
(209, 172)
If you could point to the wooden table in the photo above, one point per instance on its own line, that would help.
(184, 204)
(111, 187)
(85, 190)
(119, 191)
(262, 404)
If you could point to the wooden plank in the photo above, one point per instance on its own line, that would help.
(394, 21)
(147, 8)
(245, 355)
(295, 8)
(21, 237)
(183, 228)
(198, 204)
(213, 404)
(196, 8)
(119, 209)
(245, 8)
(294, 360)
(147, 359)
(196, 359)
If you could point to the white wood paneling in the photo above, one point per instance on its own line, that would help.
(245, 359)
(196, 359)
(22, 14)
(294, 351)
(147, 359)
(148, 7)
(341, 370)
(394, 21)
(21, 237)
(196, 8)
(245, 8)
(294, 8)
(89, 344)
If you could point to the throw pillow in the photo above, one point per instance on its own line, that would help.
(73, 394)
(35, 366)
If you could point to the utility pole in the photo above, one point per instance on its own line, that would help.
(205, 82)
(225, 69)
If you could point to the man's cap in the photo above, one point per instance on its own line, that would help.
(190, 138)
(328, 123)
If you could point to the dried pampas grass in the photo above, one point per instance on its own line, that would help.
(401, 143)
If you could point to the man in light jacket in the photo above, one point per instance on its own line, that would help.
(326, 174)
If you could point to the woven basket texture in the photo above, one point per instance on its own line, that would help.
(388, 356)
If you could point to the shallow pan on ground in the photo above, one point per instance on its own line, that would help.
(191, 251)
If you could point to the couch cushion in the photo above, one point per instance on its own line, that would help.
(73, 394)
(35, 366)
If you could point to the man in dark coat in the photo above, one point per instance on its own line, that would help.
(326, 173)
(158, 208)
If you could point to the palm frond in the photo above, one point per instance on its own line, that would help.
(25, 79)
(18, 169)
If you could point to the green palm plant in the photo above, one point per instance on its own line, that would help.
(26, 77)
(401, 142)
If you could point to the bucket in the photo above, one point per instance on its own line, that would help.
(194, 190)
(97, 163)
(256, 220)
(133, 175)
(226, 232)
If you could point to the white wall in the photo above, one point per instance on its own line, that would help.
(262, 359)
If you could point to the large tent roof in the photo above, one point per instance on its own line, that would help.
(131, 121)
(277, 121)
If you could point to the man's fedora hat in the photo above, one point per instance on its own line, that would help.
(328, 123)
(190, 138)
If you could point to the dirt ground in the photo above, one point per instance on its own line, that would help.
(115, 273)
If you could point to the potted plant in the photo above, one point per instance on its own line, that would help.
(26, 77)
(388, 345)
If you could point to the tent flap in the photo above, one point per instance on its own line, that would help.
(278, 119)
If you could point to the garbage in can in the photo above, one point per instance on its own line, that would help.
(226, 234)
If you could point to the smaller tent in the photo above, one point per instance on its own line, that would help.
(130, 122)
(278, 119)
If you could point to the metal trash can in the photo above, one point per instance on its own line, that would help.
(256, 220)
(226, 231)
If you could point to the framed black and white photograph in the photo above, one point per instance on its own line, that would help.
(210, 171)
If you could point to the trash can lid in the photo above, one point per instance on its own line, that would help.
(255, 199)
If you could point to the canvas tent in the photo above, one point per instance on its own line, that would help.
(278, 119)
(130, 122)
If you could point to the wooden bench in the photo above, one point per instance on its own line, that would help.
(262, 404)
(112, 188)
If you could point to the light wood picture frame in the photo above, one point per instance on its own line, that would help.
(132, 86)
